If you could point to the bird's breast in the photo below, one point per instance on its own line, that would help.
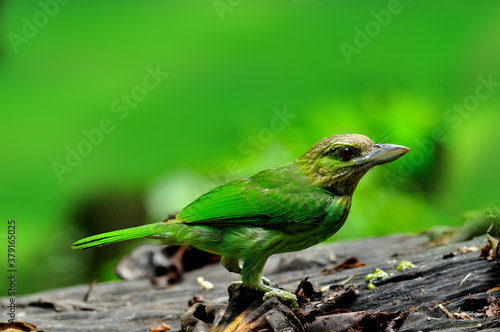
(320, 230)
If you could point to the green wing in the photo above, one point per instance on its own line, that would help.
(259, 201)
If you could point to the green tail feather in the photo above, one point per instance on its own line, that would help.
(120, 235)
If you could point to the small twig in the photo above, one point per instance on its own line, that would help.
(446, 312)
(463, 280)
(160, 328)
(349, 278)
(89, 290)
(301, 284)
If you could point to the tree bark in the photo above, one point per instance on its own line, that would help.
(450, 288)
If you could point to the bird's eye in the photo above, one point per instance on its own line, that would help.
(347, 153)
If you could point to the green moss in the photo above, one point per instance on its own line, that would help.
(405, 265)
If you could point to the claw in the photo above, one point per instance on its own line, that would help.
(234, 283)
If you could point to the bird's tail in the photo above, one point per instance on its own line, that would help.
(156, 229)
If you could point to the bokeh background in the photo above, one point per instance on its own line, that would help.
(118, 113)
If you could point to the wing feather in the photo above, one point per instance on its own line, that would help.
(258, 203)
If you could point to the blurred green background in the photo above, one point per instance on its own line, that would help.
(118, 113)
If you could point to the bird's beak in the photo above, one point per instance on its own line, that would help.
(382, 153)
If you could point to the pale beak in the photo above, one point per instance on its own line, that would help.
(382, 153)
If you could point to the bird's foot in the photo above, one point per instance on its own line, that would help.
(234, 283)
(270, 291)
(285, 296)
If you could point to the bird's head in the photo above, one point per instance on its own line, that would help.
(337, 163)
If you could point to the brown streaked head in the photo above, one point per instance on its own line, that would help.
(337, 163)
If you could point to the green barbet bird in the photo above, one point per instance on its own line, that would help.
(282, 209)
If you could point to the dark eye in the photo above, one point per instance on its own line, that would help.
(347, 153)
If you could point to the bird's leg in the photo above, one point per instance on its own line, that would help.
(251, 276)
(233, 264)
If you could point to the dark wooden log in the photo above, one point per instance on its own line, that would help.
(448, 290)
